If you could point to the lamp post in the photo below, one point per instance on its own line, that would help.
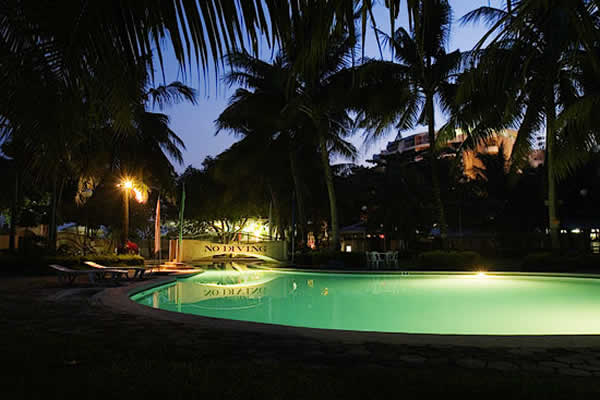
(126, 185)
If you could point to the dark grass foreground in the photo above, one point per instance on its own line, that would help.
(72, 347)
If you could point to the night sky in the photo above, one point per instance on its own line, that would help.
(195, 124)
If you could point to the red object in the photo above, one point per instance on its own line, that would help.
(132, 247)
(382, 236)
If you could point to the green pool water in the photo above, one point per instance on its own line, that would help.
(412, 303)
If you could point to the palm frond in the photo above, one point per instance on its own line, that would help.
(173, 93)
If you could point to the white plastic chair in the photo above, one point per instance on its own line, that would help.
(378, 259)
(391, 259)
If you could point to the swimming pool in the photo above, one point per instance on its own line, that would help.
(432, 303)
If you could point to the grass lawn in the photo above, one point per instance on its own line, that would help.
(75, 348)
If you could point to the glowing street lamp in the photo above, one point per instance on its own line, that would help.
(128, 186)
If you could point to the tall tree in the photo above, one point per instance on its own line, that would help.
(531, 71)
(260, 112)
(304, 105)
(423, 75)
(323, 83)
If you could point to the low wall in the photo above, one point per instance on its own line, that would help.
(200, 249)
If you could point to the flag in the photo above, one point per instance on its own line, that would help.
(157, 228)
(181, 224)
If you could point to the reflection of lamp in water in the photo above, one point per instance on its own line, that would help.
(294, 286)
(155, 300)
(311, 283)
(325, 292)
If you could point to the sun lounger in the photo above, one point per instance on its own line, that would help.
(138, 272)
(69, 275)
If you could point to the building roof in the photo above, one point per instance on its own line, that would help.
(355, 228)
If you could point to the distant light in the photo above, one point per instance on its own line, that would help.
(348, 248)
(481, 274)
(128, 184)
(576, 230)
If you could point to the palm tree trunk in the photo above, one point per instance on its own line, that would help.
(13, 216)
(52, 224)
(125, 231)
(334, 243)
(298, 189)
(553, 221)
(271, 220)
(435, 183)
(275, 223)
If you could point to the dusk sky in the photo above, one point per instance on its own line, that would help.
(195, 124)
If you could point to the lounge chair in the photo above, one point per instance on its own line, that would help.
(138, 272)
(69, 275)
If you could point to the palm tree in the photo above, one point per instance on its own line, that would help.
(94, 50)
(261, 114)
(85, 143)
(78, 39)
(324, 84)
(424, 74)
(144, 149)
(532, 71)
(304, 106)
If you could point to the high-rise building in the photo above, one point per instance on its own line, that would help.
(416, 143)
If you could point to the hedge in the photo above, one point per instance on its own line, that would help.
(30, 265)
(448, 259)
(565, 263)
(331, 259)
(455, 260)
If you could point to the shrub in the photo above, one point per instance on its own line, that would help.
(448, 259)
(552, 262)
(331, 259)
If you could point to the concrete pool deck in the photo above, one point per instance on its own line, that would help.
(53, 331)
(91, 314)
(119, 299)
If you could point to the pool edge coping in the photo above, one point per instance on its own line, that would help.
(120, 299)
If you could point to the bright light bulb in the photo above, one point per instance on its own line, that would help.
(139, 197)
(127, 184)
